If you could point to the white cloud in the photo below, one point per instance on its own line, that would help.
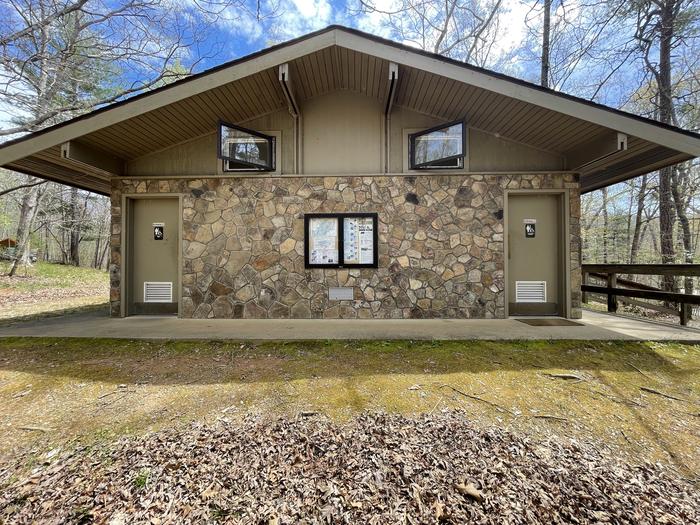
(303, 16)
(316, 12)
(247, 27)
(375, 22)
(508, 32)
(512, 31)
(280, 21)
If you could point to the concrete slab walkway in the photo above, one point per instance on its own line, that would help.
(598, 326)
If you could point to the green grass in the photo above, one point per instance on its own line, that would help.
(45, 289)
(141, 479)
(95, 390)
(45, 275)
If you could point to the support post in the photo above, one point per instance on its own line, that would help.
(612, 299)
(685, 312)
(584, 295)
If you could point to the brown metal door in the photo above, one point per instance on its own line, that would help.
(154, 235)
(535, 224)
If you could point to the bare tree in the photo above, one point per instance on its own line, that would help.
(662, 35)
(682, 189)
(28, 212)
(606, 226)
(661, 27)
(639, 214)
(579, 45)
(52, 50)
(546, 29)
(461, 29)
(60, 58)
(18, 187)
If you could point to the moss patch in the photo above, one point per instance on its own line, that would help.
(88, 390)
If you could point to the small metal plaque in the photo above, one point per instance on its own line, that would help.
(340, 294)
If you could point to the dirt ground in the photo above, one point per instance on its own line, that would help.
(50, 289)
(640, 399)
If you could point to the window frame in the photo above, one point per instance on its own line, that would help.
(340, 217)
(250, 166)
(429, 165)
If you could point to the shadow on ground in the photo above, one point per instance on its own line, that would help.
(96, 310)
(210, 362)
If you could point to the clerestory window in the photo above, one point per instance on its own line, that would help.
(243, 149)
(441, 147)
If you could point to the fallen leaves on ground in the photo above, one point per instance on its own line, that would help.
(376, 469)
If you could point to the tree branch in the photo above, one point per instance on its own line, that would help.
(21, 186)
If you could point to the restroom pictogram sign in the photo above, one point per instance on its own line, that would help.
(530, 228)
(158, 231)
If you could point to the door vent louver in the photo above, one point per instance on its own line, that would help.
(157, 292)
(530, 291)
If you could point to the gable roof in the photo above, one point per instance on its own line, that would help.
(326, 60)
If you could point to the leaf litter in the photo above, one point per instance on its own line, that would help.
(375, 469)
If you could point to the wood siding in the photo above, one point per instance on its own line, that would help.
(342, 133)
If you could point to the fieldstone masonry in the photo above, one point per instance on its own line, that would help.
(441, 248)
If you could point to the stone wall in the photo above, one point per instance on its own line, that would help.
(440, 244)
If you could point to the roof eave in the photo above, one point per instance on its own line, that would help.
(134, 106)
(674, 138)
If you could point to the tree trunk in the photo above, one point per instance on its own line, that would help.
(46, 241)
(27, 214)
(605, 224)
(103, 257)
(667, 216)
(687, 236)
(96, 255)
(544, 71)
(74, 224)
(636, 236)
(667, 220)
(32, 197)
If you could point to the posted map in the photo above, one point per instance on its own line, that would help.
(323, 242)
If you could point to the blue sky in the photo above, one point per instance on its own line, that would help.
(236, 38)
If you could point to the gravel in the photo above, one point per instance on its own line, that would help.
(375, 469)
